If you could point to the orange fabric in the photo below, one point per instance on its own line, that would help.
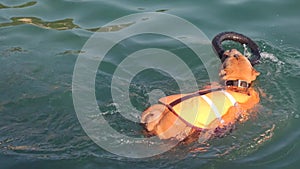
(199, 113)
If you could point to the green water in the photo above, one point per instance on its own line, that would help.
(41, 40)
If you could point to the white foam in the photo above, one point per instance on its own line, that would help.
(271, 57)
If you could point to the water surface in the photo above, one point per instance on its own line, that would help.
(41, 40)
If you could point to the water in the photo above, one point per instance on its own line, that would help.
(41, 40)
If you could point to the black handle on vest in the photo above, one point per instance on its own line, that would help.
(242, 39)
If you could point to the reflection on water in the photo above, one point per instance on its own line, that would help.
(111, 28)
(31, 3)
(57, 25)
(11, 51)
(64, 24)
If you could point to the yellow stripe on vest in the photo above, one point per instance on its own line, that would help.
(214, 108)
(230, 97)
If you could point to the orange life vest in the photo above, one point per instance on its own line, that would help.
(201, 108)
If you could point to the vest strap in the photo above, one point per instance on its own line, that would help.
(199, 93)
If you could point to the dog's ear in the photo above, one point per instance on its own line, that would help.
(254, 74)
(222, 73)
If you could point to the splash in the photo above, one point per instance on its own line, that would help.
(271, 57)
(246, 51)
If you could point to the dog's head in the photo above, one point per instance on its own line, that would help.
(237, 67)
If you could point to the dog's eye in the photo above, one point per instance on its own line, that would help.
(225, 55)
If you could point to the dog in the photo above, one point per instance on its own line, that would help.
(184, 117)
